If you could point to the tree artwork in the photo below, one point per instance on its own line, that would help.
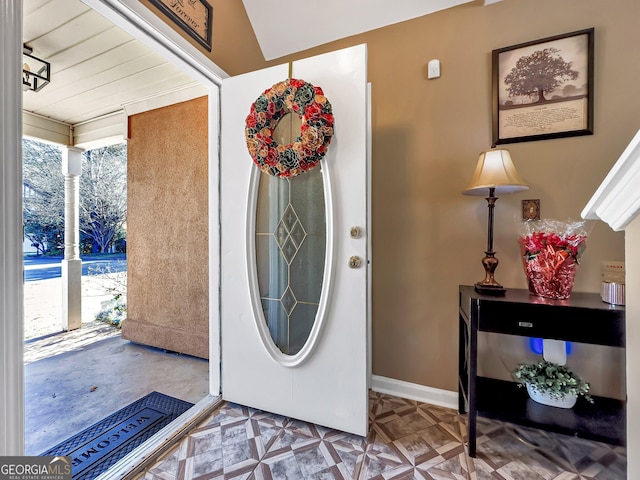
(538, 74)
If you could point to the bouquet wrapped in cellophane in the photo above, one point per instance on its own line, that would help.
(550, 252)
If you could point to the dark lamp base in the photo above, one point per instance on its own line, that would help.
(490, 289)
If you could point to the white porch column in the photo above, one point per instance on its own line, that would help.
(11, 289)
(72, 264)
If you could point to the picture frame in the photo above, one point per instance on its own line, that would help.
(529, 105)
(194, 17)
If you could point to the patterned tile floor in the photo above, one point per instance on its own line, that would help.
(407, 440)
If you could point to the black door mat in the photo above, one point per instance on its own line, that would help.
(100, 446)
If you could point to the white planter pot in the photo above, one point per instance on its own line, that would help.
(545, 399)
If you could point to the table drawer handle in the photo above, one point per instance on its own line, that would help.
(525, 324)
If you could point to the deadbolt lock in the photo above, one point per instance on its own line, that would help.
(356, 232)
(355, 262)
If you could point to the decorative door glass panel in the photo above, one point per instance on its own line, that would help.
(290, 255)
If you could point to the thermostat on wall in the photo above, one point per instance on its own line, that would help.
(433, 68)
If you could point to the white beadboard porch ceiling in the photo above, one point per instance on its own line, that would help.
(96, 68)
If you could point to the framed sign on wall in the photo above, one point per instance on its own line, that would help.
(195, 17)
(543, 89)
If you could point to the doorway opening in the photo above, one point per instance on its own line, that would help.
(142, 25)
(76, 378)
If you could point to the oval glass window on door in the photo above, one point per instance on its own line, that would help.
(290, 251)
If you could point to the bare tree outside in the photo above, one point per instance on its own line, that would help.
(43, 195)
(103, 195)
(538, 74)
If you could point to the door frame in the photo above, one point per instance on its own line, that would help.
(145, 26)
(11, 288)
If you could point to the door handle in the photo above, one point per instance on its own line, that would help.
(355, 262)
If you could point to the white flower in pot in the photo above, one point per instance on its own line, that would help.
(552, 384)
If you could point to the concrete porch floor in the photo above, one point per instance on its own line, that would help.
(74, 379)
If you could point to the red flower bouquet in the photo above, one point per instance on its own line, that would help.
(550, 252)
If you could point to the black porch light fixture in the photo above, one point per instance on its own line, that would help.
(36, 73)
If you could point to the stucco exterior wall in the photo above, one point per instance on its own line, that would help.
(167, 229)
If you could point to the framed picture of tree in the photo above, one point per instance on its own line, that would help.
(543, 89)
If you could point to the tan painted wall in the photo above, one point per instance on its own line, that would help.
(427, 134)
(235, 44)
(167, 229)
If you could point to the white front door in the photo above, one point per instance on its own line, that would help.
(294, 312)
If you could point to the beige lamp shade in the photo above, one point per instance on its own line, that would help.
(495, 170)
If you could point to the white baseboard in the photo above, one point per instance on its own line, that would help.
(413, 391)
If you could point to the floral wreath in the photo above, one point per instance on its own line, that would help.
(289, 96)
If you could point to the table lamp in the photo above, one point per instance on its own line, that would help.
(495, 175)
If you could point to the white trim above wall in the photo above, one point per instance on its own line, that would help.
(165, 99)
(413, 391)
(45, 129)
(617, 200)
(101, 131)
(105, 130)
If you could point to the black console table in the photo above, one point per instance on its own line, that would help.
(582, 318)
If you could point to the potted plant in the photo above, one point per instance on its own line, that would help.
(552, 384)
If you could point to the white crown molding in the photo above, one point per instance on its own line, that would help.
(617, 199)
(413, 391)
